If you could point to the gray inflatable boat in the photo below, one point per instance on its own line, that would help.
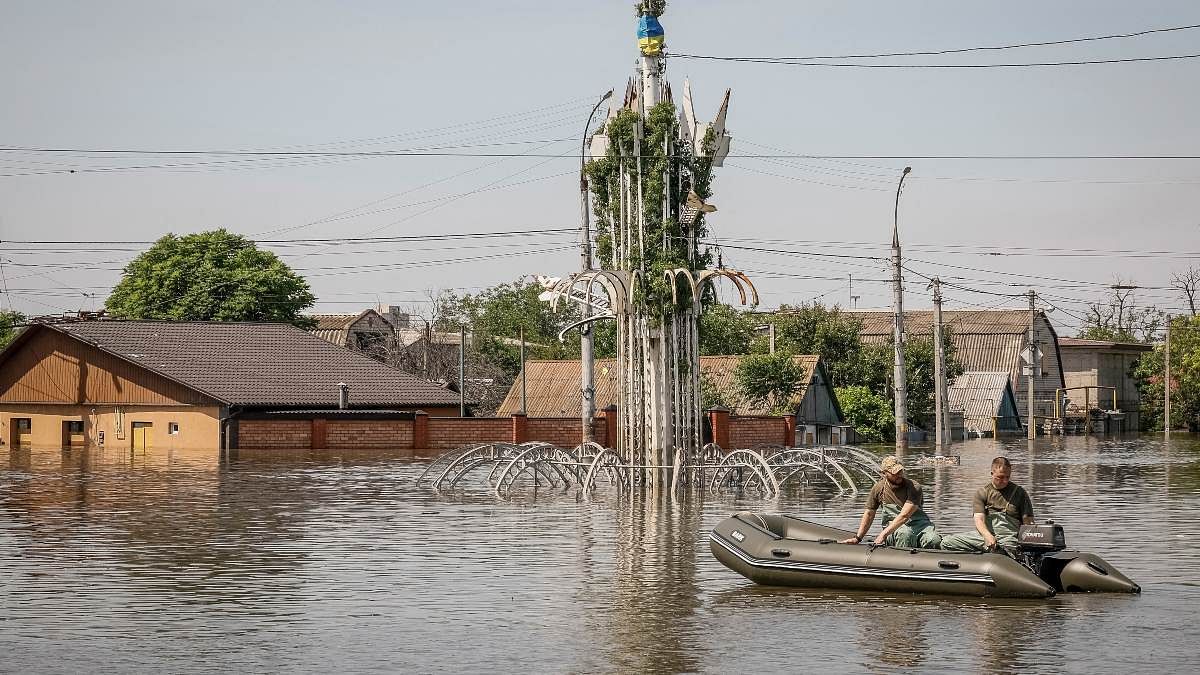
(779, 550)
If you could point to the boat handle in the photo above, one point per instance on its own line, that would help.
(947, 564)
(781, 552)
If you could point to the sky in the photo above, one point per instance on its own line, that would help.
(521, 77)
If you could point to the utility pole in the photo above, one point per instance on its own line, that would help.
(851, 275)
(900, 381)
(941, 407)
(462, 370)
(586, 337)
(1167, 382)
(1032, 430)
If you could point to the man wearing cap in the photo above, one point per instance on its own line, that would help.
(905, 524)
(1001, 507)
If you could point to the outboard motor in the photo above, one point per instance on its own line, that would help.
(1041, 549)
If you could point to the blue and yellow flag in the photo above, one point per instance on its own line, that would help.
(650, 35)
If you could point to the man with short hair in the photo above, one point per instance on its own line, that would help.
(905, 524)
(1001, 507)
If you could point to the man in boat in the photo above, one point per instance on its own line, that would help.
(1001, 507)
(905, 524)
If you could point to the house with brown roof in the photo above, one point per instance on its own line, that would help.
(1103, 363)
(368, 332)
(187, 385)
(984, 341)
(552, 389)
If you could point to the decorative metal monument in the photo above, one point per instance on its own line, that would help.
(649, 175)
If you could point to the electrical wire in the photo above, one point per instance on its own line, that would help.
(943, 66)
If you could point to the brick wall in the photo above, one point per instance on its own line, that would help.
(369, 434)
(446, 433)
(747, 432)
(274, 433)
(565, 432)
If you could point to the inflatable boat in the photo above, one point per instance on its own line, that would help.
(779, 550)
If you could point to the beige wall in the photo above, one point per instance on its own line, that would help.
(199, 426)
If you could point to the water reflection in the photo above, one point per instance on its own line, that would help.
(317, 561)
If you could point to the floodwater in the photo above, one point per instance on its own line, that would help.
(338, 562)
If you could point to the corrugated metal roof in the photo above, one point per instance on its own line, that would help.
(552, 387)
(981, 396)
(258, 364)
(975, 322)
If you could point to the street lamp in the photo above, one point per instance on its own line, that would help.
(586, 340)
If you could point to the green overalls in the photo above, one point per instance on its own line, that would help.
(918, 532)
(1003, 527)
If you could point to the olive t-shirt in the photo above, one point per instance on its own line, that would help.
(884, 492)
(1012, 501)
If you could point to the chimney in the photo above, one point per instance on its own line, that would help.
(343, 395)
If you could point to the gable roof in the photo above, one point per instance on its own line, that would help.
(335, 328)
(983, 395)
(254, 364)
(1080, 343)
(552, 388)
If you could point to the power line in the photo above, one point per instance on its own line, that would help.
(972, 66)
(1021, 45)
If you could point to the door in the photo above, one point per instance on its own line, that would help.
(141, 435)
(73, 434)
(21, 429)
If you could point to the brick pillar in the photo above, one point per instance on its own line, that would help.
(789, 430)
(610, 426)
(317, 436)
(718, 418)
(520, 428)
(421, 430)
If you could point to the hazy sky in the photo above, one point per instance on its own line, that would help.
(393, 75)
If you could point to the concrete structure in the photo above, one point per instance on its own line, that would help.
(1090, 363)
(183, 385)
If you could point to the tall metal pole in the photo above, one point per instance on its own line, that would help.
(586, 337)
(1032, 426)
(462, 370)
(1167, 381)
(941, 407)
(900, 381)
(524, 409)
(771, 336)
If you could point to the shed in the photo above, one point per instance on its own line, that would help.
(986, 401)
(1091, 363)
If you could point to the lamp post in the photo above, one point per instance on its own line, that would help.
(900, 381)
(586, 339)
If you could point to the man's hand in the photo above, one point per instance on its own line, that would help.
(851, 540)
(989, 541)
(880, 539)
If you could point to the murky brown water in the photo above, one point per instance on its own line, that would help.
(337, 562)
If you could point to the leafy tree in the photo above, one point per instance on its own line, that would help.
(1185, 377)
(10, 326)
(816, 329)
(725, 330)
(869, 412)
(769, 380)
(210, 276)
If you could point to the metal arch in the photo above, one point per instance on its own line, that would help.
(530, 457)
(753, 461)
(607, 459)
(673, 275)
(800, 457)
(439, 462)
(613, 284)
(708, 276)
(469, 459)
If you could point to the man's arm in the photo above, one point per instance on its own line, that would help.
(905, 513)
(864, 525)
(989, 539)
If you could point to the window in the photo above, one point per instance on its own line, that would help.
(24, 424)
(74, 427)
(173, 428)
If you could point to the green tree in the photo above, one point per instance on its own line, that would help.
(210, 276)
(816, 329)
(869, 412)
(10, 323)
(1119, 317)
(769, 380)
(725, 330)
(1148, 373)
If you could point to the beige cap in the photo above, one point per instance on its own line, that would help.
(891, 465)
